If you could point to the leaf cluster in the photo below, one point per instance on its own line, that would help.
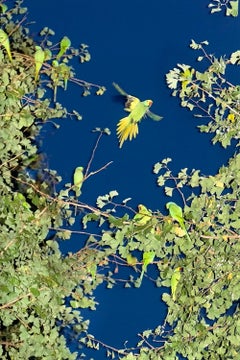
(41, 291)
(209, 94)
(229, 6)
(204, 315)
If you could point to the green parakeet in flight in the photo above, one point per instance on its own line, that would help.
(4, 41)
(176, 276)
(148, 257)
(78, 178)
(127, 127)
(39, 57)
(176, 213)
(65, 44)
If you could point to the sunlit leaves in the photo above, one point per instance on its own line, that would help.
(101, 91)
(183, 74)
(160, 165)
(106, 199)
(173, 78)
(235, 58)
(233, 9)
(230, 7)
(209, 94)
(105, 131)
(84, 54)
(198, 46)
(77, 115)
(47, 32)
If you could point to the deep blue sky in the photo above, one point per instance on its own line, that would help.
(134, 43)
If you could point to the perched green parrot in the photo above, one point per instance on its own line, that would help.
(143, 215)
(176, 213)
(127, 128)
(55, 66)
(176, 276)
(65, 44)
(64, 71)
(39, 57)
(78, 178)
(3, 8)
(59, 72)
(131, 260)
(148, 257)
(20, 197)
(4, 40)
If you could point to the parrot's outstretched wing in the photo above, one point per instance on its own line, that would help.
(4, 41)
(120, 90)
(131, 103)
(153, 116)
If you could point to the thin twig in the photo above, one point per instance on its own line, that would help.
(97, 171)
(93, 154)
(20, 297)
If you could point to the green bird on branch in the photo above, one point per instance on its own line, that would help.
(148, 257)
(176, 213)
(78, 178)
(4, 41)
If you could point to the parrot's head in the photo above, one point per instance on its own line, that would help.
(148, 103)
(169, 204)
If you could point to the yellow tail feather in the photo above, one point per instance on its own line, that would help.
(126, 129)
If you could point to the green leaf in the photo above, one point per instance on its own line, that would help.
(235, 57)
(101, 91)
(233, 10)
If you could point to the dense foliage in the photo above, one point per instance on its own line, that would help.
(35, 278)
(196, 256)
